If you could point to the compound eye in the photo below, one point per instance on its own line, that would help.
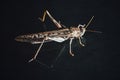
(81, 26)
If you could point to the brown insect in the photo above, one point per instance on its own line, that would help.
(60, 35)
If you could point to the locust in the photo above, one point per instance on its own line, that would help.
(62, 34)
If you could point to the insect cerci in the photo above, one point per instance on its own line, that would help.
(60, 35)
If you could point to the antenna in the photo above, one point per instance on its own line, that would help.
(89, 22)
(94, 31)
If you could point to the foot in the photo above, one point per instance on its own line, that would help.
(71, 54)
(82, 44)
(31, 60)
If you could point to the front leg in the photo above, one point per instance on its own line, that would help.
(81, 42)
(71, 39)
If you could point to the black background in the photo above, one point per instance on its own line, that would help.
(98, 60)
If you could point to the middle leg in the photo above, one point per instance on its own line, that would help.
(71, 39)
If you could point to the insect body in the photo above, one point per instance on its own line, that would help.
(60, 35)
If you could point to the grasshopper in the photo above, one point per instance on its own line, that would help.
(60, 35)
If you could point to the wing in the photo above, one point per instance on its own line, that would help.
(55, 35)
(32, 38)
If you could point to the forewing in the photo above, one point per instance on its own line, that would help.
(31, 38)
(55, 35)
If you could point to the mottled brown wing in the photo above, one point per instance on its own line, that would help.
(38, 37)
